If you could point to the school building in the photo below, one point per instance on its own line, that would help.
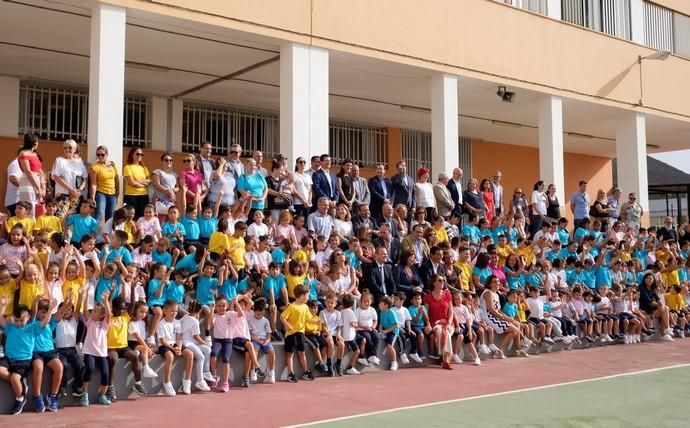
(540, 89)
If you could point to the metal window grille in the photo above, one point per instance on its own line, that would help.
(681, 34)
(53, 113)
(538, 6)
(223, 126)
(608, 16)
(136, 122)
(465, 162)
(364, 145)
(60, 113)
(416, 149)
(658, 27)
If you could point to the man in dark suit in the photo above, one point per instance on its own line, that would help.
(387, 218)
(455, 187)
(402, 186)
(378, 276)
(380, 189)
(206, 163)
(387, 241)
(364, 219)
(325, 183)
(431, 266)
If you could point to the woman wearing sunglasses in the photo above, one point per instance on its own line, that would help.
(192, 181)
(137, 180)
(105, 185)
(69, 174)
(164, 181)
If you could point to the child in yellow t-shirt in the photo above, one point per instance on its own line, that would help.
(295, 318)
(7, 288)
(236, 246)
(503, 250)
(305, 252)
(49, 223)
(313, 333)
(295, 276)
(31, 282)
(676, 305)
(21, 217)
(441, 233)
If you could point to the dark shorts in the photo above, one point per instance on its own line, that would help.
(607, 317)
(132, 344)
(46, 357)
(587, 321)
(120, 351)
(391, 338)
(19, 367)
(162, 350)
(537, 321)
(239, 343)
(294, 343)
(223, 347)
(315, 341)
(626, 316)
(352, 345)
(4, 362)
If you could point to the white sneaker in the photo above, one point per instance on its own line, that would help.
(374, 360)
(483, 349)
(202, 386)
(477, 361)
(2, 351)
(404, 359)
(168, 389)
(667, 338)
(363, 361)
(567, 340)
(668, 331)
(186, 386)
(457, 359)
(548, 340)
(252, 376)
(394, 366)
(151, 340)
(352, 371)
(526, 343)
(415, 358)
(270, 377)
(681, 334)
(149, 372)
(638, 338)
(208, 377)
(493, 348)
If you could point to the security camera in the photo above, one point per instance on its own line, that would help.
(505, 95)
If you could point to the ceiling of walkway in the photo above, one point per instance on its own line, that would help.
(49, 40)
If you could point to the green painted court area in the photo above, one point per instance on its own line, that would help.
(649, 399)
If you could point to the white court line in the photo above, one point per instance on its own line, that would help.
(495, 394)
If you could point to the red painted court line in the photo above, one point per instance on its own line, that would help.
(288, 404)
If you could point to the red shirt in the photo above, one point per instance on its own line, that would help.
(438, 308)
(34, 163)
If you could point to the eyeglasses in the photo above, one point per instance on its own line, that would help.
(139, 154)
(100, 155)
(187, 161)
(167, 160)
(234, 152)
(301, 161)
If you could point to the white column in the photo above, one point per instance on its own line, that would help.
(9, 107)
(551, 144)
(637, 21)
(175, 109)
(553, 9)
(631, 155)
(445, 145)
(303, 101)
(107, 80)
(159, 123)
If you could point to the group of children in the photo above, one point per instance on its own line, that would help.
(199, 288)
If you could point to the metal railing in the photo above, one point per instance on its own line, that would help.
(59, 113)
(364, 145)
(416, 150)
(223, 126)
(666, 30)
(608, 16)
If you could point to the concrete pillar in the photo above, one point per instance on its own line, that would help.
(175, 108)
(9, 107)
(553, 9)
(551, 144)
(159, 123)
(445, 145)
(107, 81)
(303, 101)
(637, 21)
(631, 155)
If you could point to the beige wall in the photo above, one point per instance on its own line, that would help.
(475, 38)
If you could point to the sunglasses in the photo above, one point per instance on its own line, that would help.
(139, 154)
(100, 155)
(233, 152)
(167, 160)
(187, 161)
(301, 161)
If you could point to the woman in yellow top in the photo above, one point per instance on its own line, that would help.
(105, 185)
(137, 180)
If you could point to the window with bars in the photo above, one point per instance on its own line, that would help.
(608, 16)
(224, 126)
(538, 6)
(364, 145)
(59, 113)
(416, 151)
(666, 30)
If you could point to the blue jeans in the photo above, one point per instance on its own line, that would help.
(105, 206)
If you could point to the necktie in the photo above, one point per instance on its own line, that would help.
(383, 280)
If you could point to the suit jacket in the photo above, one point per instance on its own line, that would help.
(358, 223)
(362, 195)
(393, 249)
(426, 271)
(394, 227)
(202, 167)
(407, 246)
(321, 187)
(377, 285)
(455, 195)
(403, 193)
(377, 195)
(444, 203)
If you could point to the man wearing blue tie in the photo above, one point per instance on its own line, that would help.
(380, 189)
(402, 187)
(325, 184)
